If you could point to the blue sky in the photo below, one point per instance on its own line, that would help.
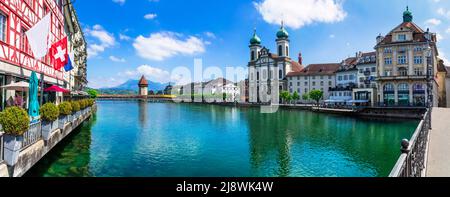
(128, 38)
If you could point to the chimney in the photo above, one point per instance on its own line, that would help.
(300, 59)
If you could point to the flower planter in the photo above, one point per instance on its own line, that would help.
(62, 122)
(11, 149)
(48, 128)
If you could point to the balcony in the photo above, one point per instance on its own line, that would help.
(407, 77)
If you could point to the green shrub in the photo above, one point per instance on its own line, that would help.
(15, 121)
(82, 104)
(75, 106)
(65, 108)
(49, 112)
(91, 102)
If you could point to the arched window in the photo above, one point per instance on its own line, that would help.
(388, 87)
(287, 50)
(257, 76)
(253, 55)
(280, 50)
(403, 87)
(280, 73)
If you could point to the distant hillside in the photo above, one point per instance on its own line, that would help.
(131, 87)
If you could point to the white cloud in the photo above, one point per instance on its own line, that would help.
(103, 40)
(298, 13)
(162, 45)
(439, 37)
(120, 2)
(433, 22)
(210, 35)
(124, 37)
(151, 73)
(116, 59)
(150, 16)
(332, 36)
(444, 12)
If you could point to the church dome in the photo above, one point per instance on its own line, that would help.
(407, 16)
(255, 39)
(282, 33)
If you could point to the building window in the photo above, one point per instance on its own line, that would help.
(374, 69)
(314, 83)
(329, 77)
(418, 60)
(402, 37)
(257, 76)
(388, 50)
(418, 49)
(401, 59)
(2, 27)
(345, 77)
(298, 83)
(306, 90)
(339, 78)
(418, 71)
(287, 51)
(387, 73)
(322, 83)
(330, 83)
(321, 77)
(253, 55)
(388, 61)
(306, 83)
(280, 50)
(403, 71)
(280, 73)
(24, 42)
(313, 77)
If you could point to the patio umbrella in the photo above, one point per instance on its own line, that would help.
(18, 86)
(33, 109)
(54, 88)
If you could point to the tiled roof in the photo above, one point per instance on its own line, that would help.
(317, 69)
(419, 34)
(296, 67)
(143, 81)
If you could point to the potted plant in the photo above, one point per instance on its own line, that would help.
(49, 115)
(15, 122)
(65, 110)
(75, 110)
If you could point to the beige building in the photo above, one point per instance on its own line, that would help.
(313, 77)
(143, 86)
(402, 62)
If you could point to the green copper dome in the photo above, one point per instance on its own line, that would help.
(407, 16)
(255, 39)
(282, 33)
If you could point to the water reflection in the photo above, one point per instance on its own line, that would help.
(70, 158)
(143, 113)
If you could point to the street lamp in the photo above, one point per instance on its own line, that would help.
(430, 76)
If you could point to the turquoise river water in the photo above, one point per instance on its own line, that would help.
(139, 139)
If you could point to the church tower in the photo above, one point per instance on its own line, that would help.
(255, 47)
(282, 42)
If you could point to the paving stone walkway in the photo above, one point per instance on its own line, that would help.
(438, 164)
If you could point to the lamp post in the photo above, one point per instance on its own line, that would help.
(430, 76)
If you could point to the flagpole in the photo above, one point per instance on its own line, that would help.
(42, 89)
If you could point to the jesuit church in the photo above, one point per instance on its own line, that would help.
(268, 71)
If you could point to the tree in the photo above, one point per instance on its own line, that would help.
(305, 96)
(296, 96)
(316, 95)
(285, 96)
(92, 93)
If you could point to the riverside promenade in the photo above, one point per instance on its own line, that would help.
(36, 147)
(438, 162)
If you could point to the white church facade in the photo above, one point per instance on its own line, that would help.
(268, 71)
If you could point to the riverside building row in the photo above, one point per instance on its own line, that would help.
(16, 58)
(395, 74)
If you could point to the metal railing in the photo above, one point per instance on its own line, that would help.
(33, 135)
(412, 161)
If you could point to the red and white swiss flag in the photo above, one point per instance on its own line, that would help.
(59, 54)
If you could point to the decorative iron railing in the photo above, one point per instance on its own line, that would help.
(33, 135)
(412, 161)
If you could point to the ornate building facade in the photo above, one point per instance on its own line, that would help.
(403, 57)
(268, 71)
